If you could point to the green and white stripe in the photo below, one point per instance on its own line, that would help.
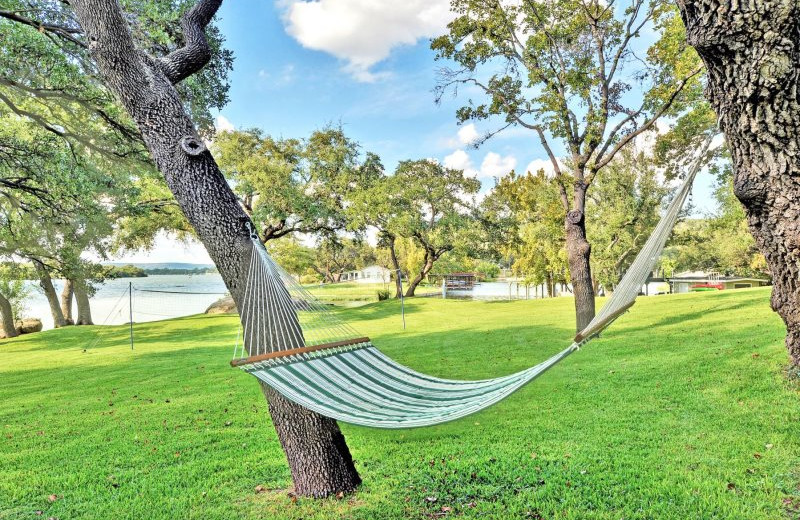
(362, 386)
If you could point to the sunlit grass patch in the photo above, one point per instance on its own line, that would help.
(682, 409)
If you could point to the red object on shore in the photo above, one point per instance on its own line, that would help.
(718, 286)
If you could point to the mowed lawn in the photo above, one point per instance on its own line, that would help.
(683, 410)
(354, 293)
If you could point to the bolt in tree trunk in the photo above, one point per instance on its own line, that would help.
(752, 54)
(66, 302)
(46, 284)
(7, 328)
(82, 299)
(319, 458)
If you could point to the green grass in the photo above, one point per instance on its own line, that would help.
(354, 293)
(681, 411)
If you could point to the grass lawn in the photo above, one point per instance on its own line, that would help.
(681, 411)
(355, 294)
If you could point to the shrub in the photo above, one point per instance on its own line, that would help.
(487, 270)
(308, 279)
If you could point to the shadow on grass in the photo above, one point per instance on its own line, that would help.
(466, 353)
(93, 337)
(687, 317)
(459, 353)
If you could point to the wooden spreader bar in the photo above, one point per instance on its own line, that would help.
(588, 333)
(295, 351)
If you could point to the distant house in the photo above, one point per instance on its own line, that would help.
(689, 281)
(369, 274)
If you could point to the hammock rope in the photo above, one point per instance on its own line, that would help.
(301, 348)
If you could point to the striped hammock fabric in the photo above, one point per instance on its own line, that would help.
(299, 347)
(363, 386)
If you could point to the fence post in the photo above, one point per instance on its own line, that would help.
(130, 310)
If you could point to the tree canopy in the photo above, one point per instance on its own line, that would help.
(294, 185)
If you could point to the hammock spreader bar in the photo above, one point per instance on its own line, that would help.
(302, 349)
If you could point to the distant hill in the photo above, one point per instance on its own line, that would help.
(147, 266)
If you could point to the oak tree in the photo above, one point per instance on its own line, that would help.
(150, 83)
(568, 72)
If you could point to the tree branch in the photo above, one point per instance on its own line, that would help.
(604, 158)
(59, 30)
(193, 56)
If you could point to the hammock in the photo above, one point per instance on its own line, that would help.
(299, 347)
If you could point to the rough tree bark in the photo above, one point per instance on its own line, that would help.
(318, 456)
(578, 259)
(7, 328)
(66, 302)
(752, 55)
(84, 306)
(46, 284)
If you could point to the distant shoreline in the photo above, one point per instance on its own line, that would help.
(133, 271)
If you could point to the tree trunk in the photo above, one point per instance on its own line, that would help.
(580, 271)
(84, 307)
(752, 54)
(66, 302)
(46, 284)
(426, 268)
(323, 459)
(141, 83)
(7, 328)
(398, 274)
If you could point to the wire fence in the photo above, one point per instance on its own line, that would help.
(139, 305)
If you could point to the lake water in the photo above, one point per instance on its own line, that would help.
(156, 297)
(499, 291)
(159, 297)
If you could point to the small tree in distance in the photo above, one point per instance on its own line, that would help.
(433, 210)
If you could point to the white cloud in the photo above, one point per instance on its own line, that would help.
(542, 164)
(495, 165)
(222, 124)
(468, 134)
(458, 160)
(363, 32)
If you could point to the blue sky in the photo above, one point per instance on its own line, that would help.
(366, 65)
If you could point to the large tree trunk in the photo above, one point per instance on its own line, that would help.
(752, 54)
(82, 299)
(144, 86)
(398, 274)
(7, 328)
(580, 271)
(66, 302)
(426, 268)
(46, 284)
